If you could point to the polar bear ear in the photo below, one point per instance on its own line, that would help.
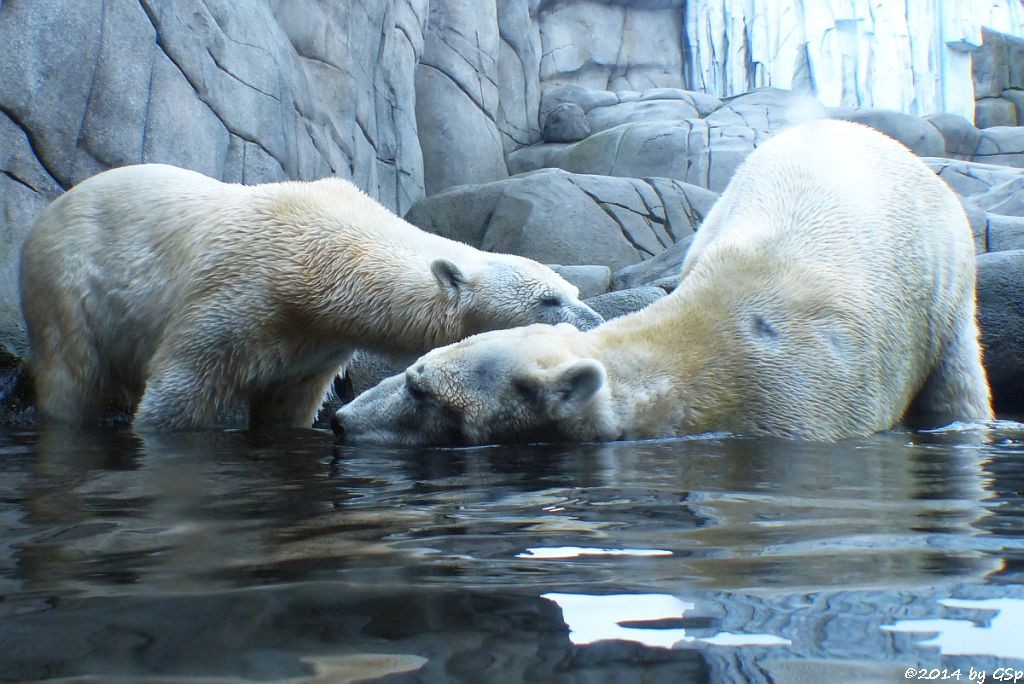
(448, 275)
(573, 386)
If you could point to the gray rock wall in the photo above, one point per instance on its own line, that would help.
(998, 70)
(250, 92)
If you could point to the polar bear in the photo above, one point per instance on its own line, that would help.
(831, 284)
(163, 287)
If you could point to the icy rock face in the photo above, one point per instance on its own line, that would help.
(246, 92)
(611, 45)
(913, 56)
(999, 80)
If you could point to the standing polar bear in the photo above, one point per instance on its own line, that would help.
(155, 283)
(830, 286)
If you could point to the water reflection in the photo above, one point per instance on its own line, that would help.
(283, 556)
(1001, 635)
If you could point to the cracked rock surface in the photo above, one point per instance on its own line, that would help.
(247, 92)
(570, 219)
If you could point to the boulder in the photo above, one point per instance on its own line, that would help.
(1006, 198)
(960, 137)
(1001, 145)
(665, 265)
(611, 46)
(768, 110)
(566, 123)
(1001, 318)
(998, 64)
(518, 65)
(562, 218)
(457, 95)
(591, 280)
(702, 102)
(603, 118)
(615, 304)
(918, 134)
(977, 218)
(990, 112)
(1016, 96)
(585, 98)
(1005, 233)
(695, 151)
(971, 178)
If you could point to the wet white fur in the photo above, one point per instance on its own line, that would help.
(156, 283)
(832, 283)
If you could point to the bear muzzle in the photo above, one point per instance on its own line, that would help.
(583, 317)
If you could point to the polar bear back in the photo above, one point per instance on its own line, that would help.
(841, 263)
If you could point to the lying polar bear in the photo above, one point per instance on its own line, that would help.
(830, 286)
(165, 288)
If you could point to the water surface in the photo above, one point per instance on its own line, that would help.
(239, 557)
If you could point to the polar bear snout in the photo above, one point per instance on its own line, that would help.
(336, 425)
(583, 317)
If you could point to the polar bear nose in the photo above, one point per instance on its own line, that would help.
(336, 427)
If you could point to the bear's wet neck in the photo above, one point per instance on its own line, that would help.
(662, 371)
(407, 316)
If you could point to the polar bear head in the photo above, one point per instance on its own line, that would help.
(521, 385)
(506, 291)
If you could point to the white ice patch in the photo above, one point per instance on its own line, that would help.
(1000, 638)
(598, 618)
(552, 552)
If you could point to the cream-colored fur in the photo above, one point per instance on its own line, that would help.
(831, 284)
(155, 283)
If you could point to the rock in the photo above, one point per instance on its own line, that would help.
(768, 110)
(918, 134)
(562, 218)
(585, 98)
(614, 304)
(1001, 318)
(978, 219)
(1016, 96)
(702, 102)
(665, 265)
(1006, 198)
(990, 112)
(457, 95)
(611, 46)
(1005, 233)
(250, 93)
(1001, 145)
(566, 123)
(970, 178)
(518, 65)
(668, 284)
(959, 136)
(694, 151)
(603, 118)
(591, 280)
(997, 63)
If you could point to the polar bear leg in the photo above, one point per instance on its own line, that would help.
(293, 405)
(957, 388)
(184, 383)
(177, 397)
(68, 388)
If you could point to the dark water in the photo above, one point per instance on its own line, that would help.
(235, 557)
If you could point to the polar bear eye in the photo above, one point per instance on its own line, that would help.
(550, 300)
